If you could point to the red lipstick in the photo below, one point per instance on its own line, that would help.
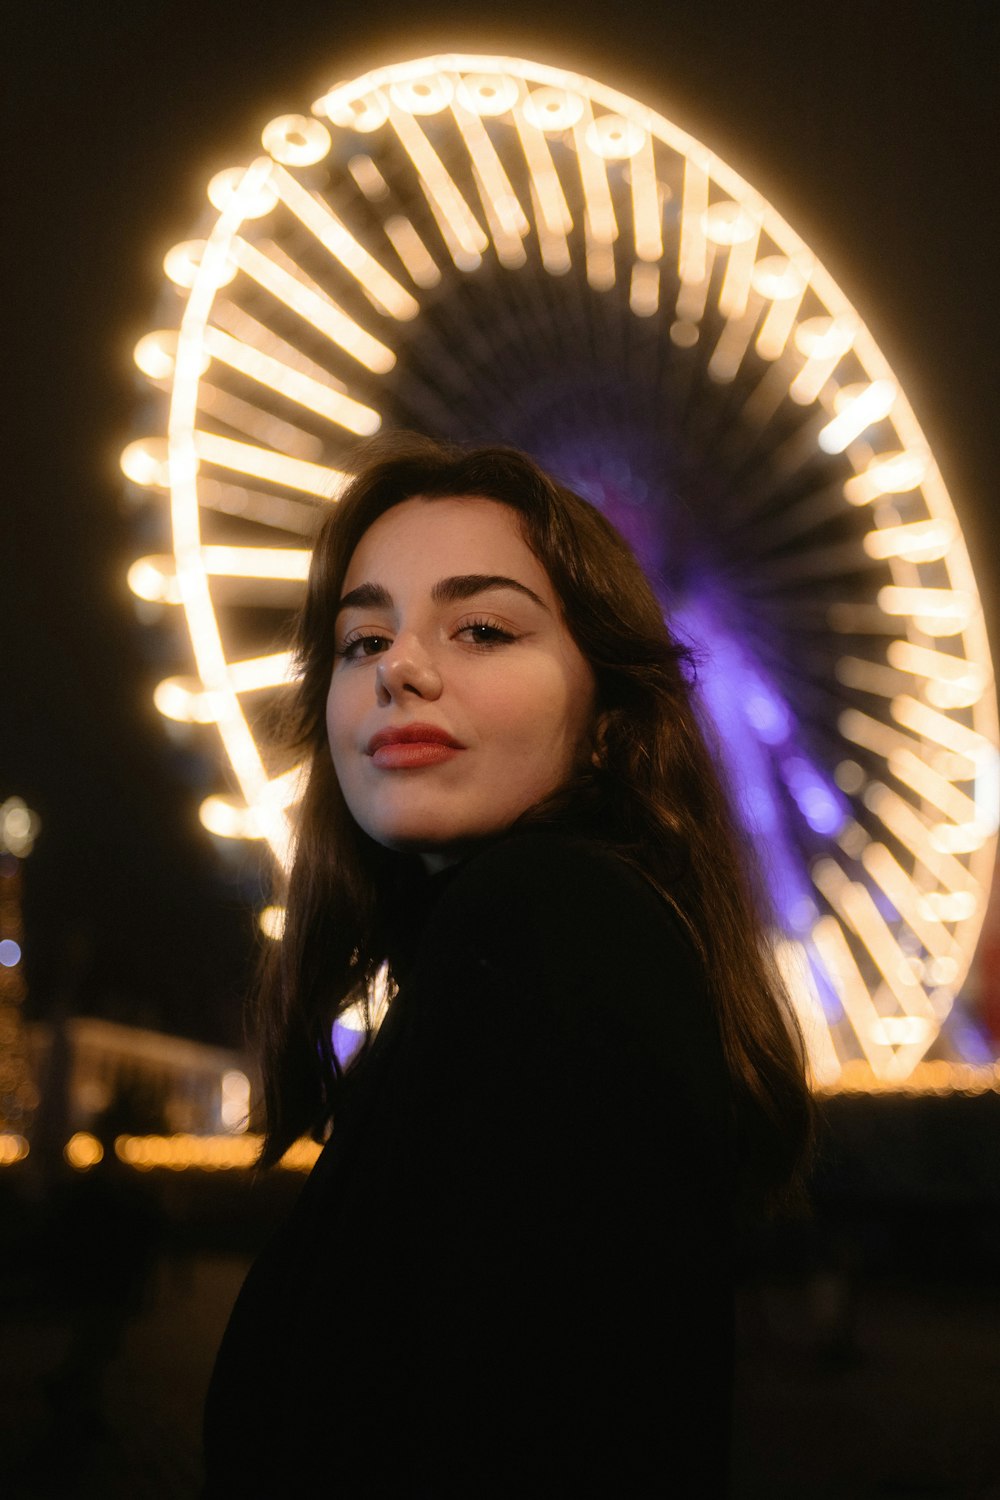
(411, 746)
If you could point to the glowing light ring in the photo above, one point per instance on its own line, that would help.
(453, 167)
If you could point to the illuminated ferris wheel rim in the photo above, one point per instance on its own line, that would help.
(401, 94)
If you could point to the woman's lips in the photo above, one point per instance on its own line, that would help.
(402, 755)
(405, 747)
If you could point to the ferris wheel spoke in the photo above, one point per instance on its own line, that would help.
(263, 463)
(300, 294)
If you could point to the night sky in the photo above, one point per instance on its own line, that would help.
(870, 126)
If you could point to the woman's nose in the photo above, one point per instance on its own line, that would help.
(406, 668)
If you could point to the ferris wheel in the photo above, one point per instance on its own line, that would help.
(487, 248)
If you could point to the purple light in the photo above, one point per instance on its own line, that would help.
(765, 712)
(10, 953)
(970, 1041)
(816, 800)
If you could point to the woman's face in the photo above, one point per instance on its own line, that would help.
(458, 698)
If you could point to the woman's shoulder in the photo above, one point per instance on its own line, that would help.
(549, 868)
(544, 911)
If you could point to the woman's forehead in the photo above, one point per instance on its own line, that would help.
(427, 537)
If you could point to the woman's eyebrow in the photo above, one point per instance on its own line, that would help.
(465, 585)
(366, 596)
(445, 591)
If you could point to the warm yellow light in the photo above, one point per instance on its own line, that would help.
(422, 96)
(412, 251)
(857, 407)
(599, 208)
(684, 335)
(368, 178)
(920, 541)
(552, 109)
(824, 341)
(316, 216)
(257, 562)
(277, 468)
(693, 264)
(962, 838)
(183, 700)
(459, 227)
(955, 694)
(228, 819)
(234, 1107)
(182, 264)
(271, 921)
(644, 289)
(156, 353)
(318, 309)
(296, 140)
(146, 462)
(869, 676)
(849, 985)
(504, 214)
(154, 579)
(952, 681)
(614, 138)
(235, 320)
(937, 1077)
(83, 1150)
(256, 422)
(868, 732)
(553, 220)
(888, 474)
(13, 1148)
(908, 827)
(777, 278)
(365, 113)
(728, 224)
(262, 671)
(950, 906)
(224, 186)
(793, 964)
(783, 283)
(733, 343)
(292, 384)
(911, 904)
(301, 1156)
(929, 784)
(486, 93)
(647, 213)
(854, 903)
(734, 297)
(941, 612)
(19, 827)
(896, 1031)
(930, 724)
(183, 1152)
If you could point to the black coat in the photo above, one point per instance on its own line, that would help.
(508, 1274)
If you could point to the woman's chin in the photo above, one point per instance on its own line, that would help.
(437, 847)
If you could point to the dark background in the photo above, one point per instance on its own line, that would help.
(871, 126)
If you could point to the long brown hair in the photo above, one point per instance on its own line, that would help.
(654, 795)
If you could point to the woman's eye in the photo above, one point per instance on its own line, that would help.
(486, 633)
(360, 646)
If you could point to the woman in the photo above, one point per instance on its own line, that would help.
(508, 1273)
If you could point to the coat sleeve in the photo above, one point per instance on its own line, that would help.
(567, 1183)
